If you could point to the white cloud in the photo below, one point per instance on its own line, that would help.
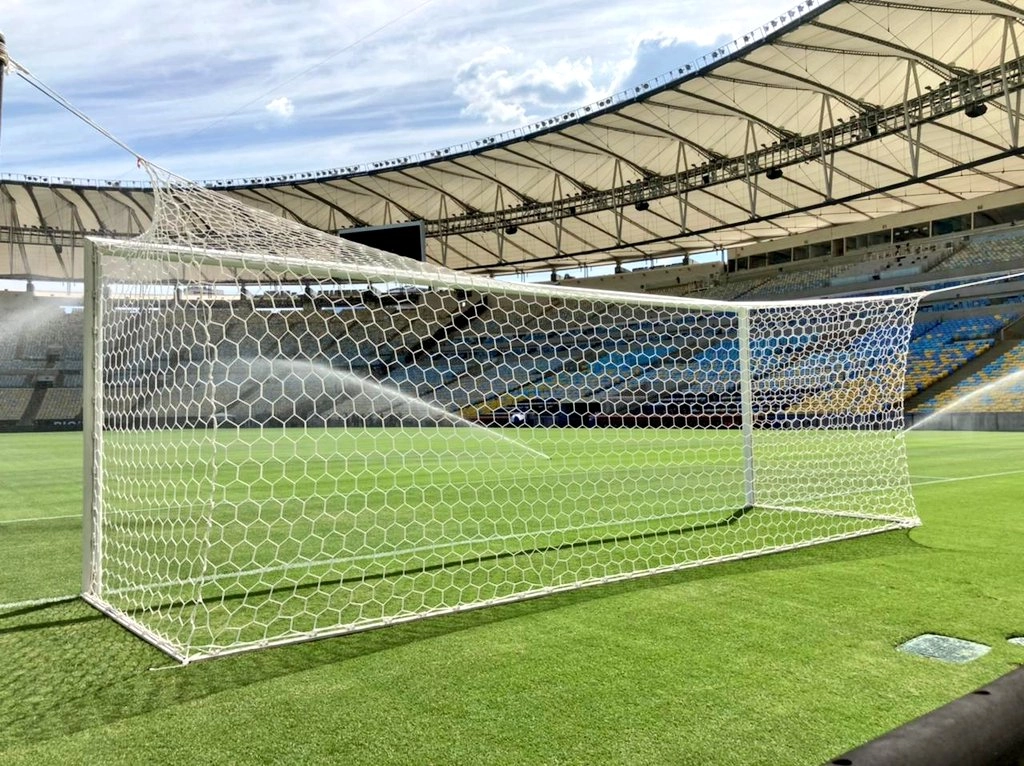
(281, 106)
(495, 88)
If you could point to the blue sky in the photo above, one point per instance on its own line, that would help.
(242, 88)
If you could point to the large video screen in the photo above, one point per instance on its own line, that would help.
(408, 240)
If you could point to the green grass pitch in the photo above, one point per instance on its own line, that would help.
(781, 659)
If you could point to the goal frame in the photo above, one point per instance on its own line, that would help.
(93, 423)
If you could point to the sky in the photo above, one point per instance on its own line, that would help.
(228, 89)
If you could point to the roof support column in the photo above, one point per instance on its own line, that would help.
(825, 145)
(752, 174)
(559, 220)
(912, 115)
(442, 215)
(682, 189)
(77, 221)
(500, 228)
(20, 243)
(58, 249)
(618, 181)
(500, 232)
(1011, 50)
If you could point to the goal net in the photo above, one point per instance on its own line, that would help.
(290, 436)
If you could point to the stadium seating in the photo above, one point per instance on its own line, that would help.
(998, 387)
(852, 273)
(13, 404)
(60, 404)
(974, 254)
(945, 347)
(435, 348)
(988, 250)
(734, 288)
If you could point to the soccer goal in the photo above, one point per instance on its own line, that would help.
(290, 436)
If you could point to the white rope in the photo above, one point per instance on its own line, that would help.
(53, 95)
(990, 280)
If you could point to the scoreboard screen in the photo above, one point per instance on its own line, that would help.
(408, 240)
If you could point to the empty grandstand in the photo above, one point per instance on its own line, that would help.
(444, 347)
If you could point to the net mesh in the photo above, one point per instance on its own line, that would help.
(296, 436)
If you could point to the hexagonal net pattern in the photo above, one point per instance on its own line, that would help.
(295, 437)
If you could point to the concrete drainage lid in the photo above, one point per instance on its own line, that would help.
(945, 648)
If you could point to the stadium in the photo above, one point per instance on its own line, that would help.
(652, 432)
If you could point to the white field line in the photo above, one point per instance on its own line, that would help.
(915, 480)
(929, 480)
(41, 518)
(34, 602)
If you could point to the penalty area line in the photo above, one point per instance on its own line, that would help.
(14, 606)
(41, 518)
(930, 480)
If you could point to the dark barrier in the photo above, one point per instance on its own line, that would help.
(967, 421)
(983, 728)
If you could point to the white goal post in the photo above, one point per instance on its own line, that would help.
(290, 436)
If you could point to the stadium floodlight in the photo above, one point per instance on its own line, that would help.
(307, 458)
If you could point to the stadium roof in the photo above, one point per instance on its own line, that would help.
(836, 112)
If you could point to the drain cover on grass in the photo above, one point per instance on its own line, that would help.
(1018, 640)
(944, 648)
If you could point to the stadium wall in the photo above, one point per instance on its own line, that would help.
(967, 421)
